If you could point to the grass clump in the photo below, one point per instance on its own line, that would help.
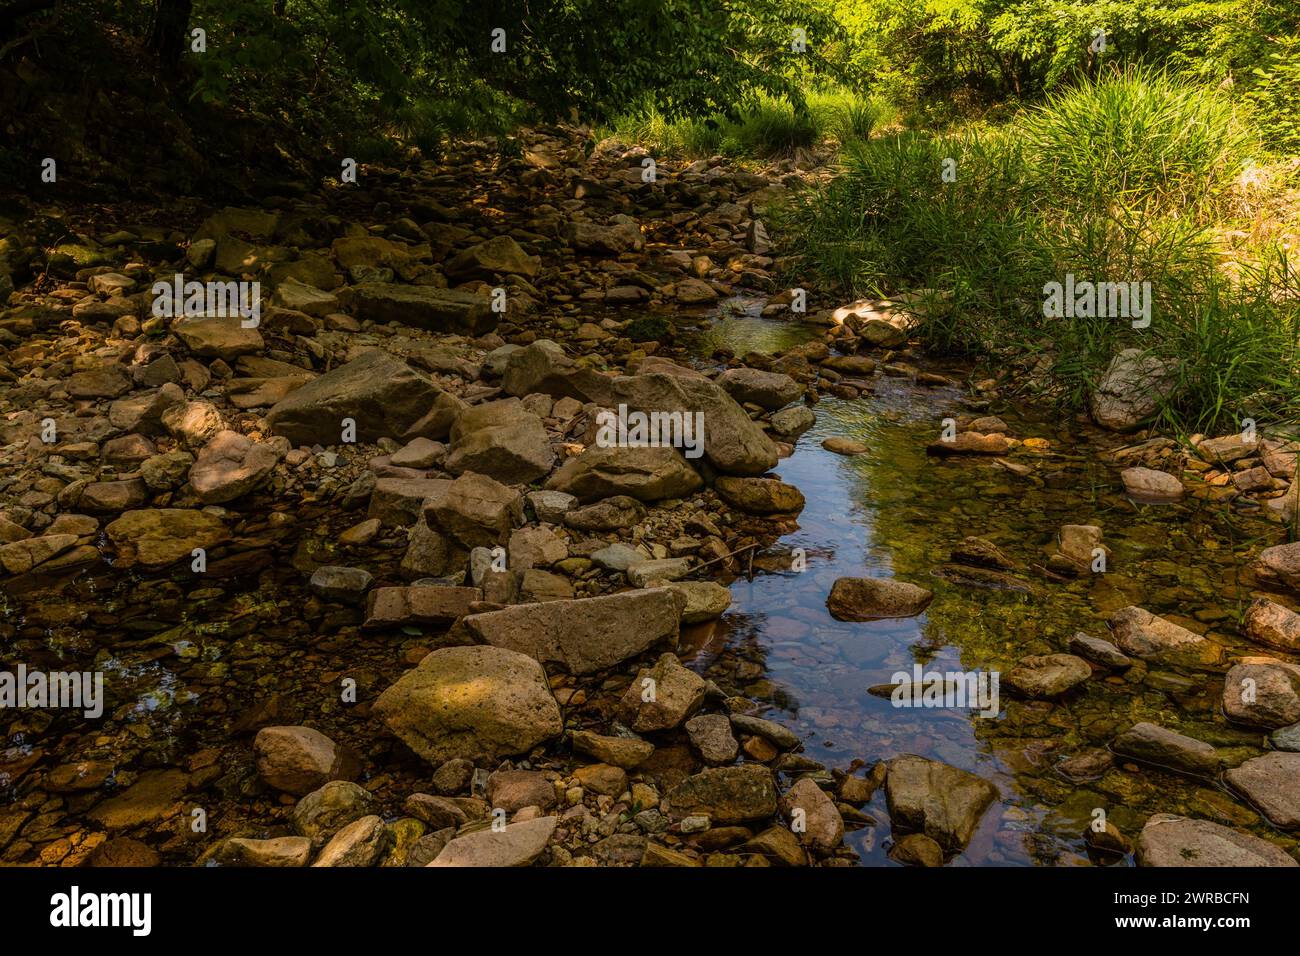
(766, 128)
(1134, 177)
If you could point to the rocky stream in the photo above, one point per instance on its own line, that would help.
(366, 587)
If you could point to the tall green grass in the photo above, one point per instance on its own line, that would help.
(1129, 178)
(768, 127)
(1138, 135)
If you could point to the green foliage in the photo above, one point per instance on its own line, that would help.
(1125, 179)
(598, 56)
(943, 57)
(1136, 135)
(1274, 94)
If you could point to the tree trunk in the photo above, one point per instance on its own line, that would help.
(170, 30)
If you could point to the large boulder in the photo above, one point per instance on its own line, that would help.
(275, 852)
(400, 501)
(143, 411)
(471, 702)
(18, 557)
(325, 811)
(1272, 624)
(500, 255)
(819, 822)
(733, 443)
(422, 306)
(382, 394)
(1045, 676)
(475, 510)
(1131, 389)
(769, 390)
(584, 635)
(436, 605)
(1272, 785)
(517, 844)
(1150, 485)
(608, 514)
(223, 337)
(662, 697)
(604, 240)
(360, 843)
(155, 537)
(231, 465)
(943, 802)
(642, 472)
(501, 440)
(370, 252)
(290, 293)
(759, 496)
(1280, 565)
(543, 367)
(1171, 840)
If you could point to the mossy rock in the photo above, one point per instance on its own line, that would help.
(651, 328)
(67, 258)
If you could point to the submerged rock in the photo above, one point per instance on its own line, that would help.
(867, 599)
(1170, 840)
(942, 802)
(1161, 747)
(1149, 485)
(969, 443)
(1272, 785)
(1099, 651)
(1047, 675)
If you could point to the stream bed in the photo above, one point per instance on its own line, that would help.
(194, 668)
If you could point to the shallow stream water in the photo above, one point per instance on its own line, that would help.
(897, 512)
